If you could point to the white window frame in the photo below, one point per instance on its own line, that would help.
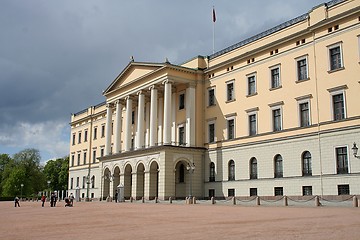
(339, 44)
(270, 73)
(180, 93)
(253, 111)
(181, 125)
(306, 57)
(336, 91)
(226, 90)
(248, 86)
(228, 118)
(348, 157)
(301, 100)
(208, 131)
(274, 107)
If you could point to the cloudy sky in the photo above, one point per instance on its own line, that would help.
(56, 57)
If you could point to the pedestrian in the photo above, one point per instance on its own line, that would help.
(116, 196)
(55, 199)
(43, 199)
(52, 200)
(16, 200)
(71, 199)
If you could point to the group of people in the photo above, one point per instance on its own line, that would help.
(69, 201)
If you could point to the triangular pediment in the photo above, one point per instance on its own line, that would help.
(131, 73)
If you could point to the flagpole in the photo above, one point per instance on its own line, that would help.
(214, 20)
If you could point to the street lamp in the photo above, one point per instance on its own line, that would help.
(190, 168)
(48, 182)
(87, 188)
(355, 150)
(22, 185)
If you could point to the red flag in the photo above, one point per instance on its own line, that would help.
(214, 15)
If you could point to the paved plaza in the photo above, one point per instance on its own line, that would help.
(104, 220)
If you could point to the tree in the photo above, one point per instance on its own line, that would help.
(56, 171)
(5, 159)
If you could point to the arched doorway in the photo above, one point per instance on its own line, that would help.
(106, 191)
(127, 181)
(140, 173)
(154, 180)
(180, 183)
(116, 179)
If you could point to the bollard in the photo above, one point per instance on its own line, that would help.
(212, 200)
(194, 200)
(170, 200)
(234, 200)
(355, 202)
(285, 201)
(257, 201)
(142, 199)
(317, 201)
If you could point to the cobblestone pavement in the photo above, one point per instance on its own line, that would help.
(103, 220)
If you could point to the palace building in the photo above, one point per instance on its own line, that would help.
(274, 114)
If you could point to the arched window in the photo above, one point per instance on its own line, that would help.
(182, 173)
(231, 170)
(253, 168)
(212, 172)
(278, 166)
(306, 164)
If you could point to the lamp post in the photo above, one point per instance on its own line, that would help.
(87, 188)
(355, 150)
(21, 185)
(190, 168)
(48, 182)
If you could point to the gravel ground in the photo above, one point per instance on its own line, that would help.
(103, 220)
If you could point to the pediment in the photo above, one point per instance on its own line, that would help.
(131, 73)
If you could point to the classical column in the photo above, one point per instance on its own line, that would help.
(160, 121)
(153, 116)
(173, 119)
(140, 121)
(108, 129)
(190, 116)
(134, 185)
(118, 125)
(147, 185)
(147, 123)
(167, 113)
(128, 124)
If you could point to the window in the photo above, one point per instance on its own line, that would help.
(335, 57)
(211, 97)
(78, 159)
(212, 172)
(182, 173)
(231, 192)
(79, 137)
(230, 91)
(181, 135)
(278, 166)
(304, 114)
(306, 164)
(103, 130)
(211, 132)
(72, 160)
(85, 135)
(77, 181)
(84, 157)
(181, 101)
(231, 128)
(93, 182)
(253, 192)
(73, 139)
(341, 160)
(276, 115)
(94, 156)
(302, 69)
(71, 183)
(251, 84)
(343, 189)
(95, 133)
(101, 152)
(338, 107)
(252, 125)
(253, 168)
(307, 190)
(133, 117)
(275, 77)
(278, 191)
(231, 165)
(84, 181)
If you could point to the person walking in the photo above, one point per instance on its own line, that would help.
(43, 199)
(16, 200)
(71, 199)
(116, 196)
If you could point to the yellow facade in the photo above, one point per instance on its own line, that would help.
(275, 114)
